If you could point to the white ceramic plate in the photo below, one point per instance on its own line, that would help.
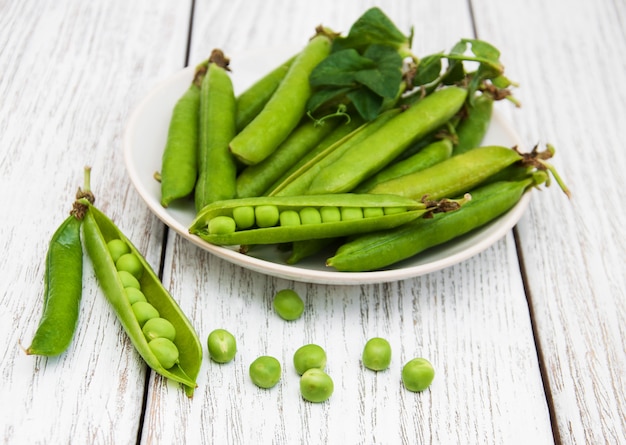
(143, 144)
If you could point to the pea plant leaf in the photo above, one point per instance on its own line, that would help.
(374, 28)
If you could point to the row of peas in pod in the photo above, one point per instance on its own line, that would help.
(159, 332)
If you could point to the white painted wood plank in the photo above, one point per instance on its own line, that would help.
(71, 71)
(471, 320)
(569, 59)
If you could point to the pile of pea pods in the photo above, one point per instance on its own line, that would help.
(317, 155)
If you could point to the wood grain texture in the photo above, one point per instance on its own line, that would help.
(574, 251)
(71, 71)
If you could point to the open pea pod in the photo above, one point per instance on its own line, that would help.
(98, 231)
(281, 219)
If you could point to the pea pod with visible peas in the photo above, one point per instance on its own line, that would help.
(282, 219)
(175, 355)
(62, 286)
(377, 250)
(285, 108)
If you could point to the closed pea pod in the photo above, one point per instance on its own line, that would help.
(179, 165)
(455, 175)
(98, 230)
(62, 291)
(284, 109)
(472, 129)
(251, 101)
(217, 170)
(377, 250)
(62, 282)
(373, 153)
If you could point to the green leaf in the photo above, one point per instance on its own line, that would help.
(428, 70)
(339, 69)
(367, 103)
(325, 96)
(373, 27)
(385, 76)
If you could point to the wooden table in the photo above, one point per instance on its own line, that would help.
(527, 337)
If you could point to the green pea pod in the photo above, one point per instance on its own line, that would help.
(453, 176)
(179, 166)
(428, 156)
(299, 180)
(217, 170)
(98, 230)
(374, 153)
(251, 101)
(472, 129)
(306, 248)
(254, 180)
(378, 250)
(391, 211)
(285, 109)
(63, 291)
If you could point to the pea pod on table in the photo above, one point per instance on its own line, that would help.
(282, 219)
(63, 286)
(178, 360)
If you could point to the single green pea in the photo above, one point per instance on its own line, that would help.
(165, 351)
(128, 280)
(221, 225)
(376, 354)
(351, 213)
(309, 356)
(394, 210)
(144, 311)
(417, 374)
(222, 346)
(310, 215)
(117, 248)
(288, 304)
(289, 218)
(316, 386)
(372, 212)
(131, 264)
(330, 214)
(134, 295)
(244, 217)
(159, 328)
(266, 215)
(265, 371)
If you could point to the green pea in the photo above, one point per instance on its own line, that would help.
(265, 371)
(244, 217)
(309, 356)
(117, 248)
(221, 225)
(288, 304)
(351, 213)
(131, 264)
(289, 218)
(159, 328)
(394, 210)
(316, 386)
(128, 280)
(222, 346)
(330, 214)
(165, 351)
(266, 215)
(417, 374)
(310, 215)
(372, 212)
(134, 295)
(376, 354)
(144, 311)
